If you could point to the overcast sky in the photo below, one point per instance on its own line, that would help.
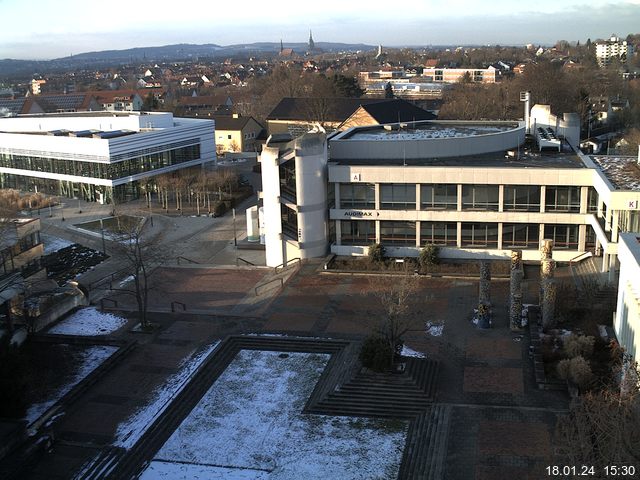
(43, 29)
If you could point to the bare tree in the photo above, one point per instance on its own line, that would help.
(141, 251)
(394, 295)
(603, 425)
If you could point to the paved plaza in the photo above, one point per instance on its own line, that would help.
(500, 426)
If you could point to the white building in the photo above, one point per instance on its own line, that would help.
(613, 48)
(476, 189)
(99, 155)
(627, 319)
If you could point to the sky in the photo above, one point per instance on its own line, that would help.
(45, 29)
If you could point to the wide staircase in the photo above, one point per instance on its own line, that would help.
(426, 446)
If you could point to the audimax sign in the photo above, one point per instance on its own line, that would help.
(361, 214)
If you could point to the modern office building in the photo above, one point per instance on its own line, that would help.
(476, 189)
(99, 155)
(455, 75)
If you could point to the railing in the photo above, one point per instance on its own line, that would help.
(258, 287)
(286, 264)
(580, 257)
(186, 260)
(247, 262)
(108, 278)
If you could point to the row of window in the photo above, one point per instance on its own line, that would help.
(523, 198)
(108, 171)
(478, 235)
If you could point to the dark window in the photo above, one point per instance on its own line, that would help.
(398, 196)
(522, 198)
(480, 235)
(289, 222)
(480, 197)
(563, 236)
(438, 197)
(287, 172)
(439, 233)
(357, 195)
(562, 199)
(358, 232)
(520, 235)
(592, 201)
(398, 233)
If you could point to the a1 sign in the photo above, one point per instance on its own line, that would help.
(355, 177)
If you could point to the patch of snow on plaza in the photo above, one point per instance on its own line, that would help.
(88, 322)
(130, 431)
(53, 244)
(188, 471)
(434, 329)
(408, 352)
(251, 418)
(91, 358)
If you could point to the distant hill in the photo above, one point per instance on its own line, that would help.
(165, 53)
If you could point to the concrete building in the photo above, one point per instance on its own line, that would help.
(454, 75)
(627, 318)
(476, 189)
(99, 155)
(613, 48)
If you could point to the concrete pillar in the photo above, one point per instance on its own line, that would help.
(253, 228)
(500, 236)
(584, 199)
(605, 262)
(615, 215)
(377, 231)
(543, 198)
(459, 197)
(549, 303)
(500, 198)
(515, 312)
(336, 194)
(459, 235)
(418, 234)
(515, 290)
(338, 231)
(484, 290)
(418, 196)
(582, 238)
(377, 196)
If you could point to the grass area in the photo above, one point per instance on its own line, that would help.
(251, 419)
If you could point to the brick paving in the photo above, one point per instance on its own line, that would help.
(501, 426)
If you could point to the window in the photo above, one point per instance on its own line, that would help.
(480, 235)
(287, 173)
(357, 195)
(562, 199)
(289, 222)
(439, 233)
(438, 197)
(398, 233)
(563, 236)
(358, 232)
(398, 196)
(592, 200)
(228, 137)
(522, 198)
(520, 235)
(480, 197)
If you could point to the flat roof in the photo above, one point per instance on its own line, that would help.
(545, 159)
(427, 130)
(622, 172)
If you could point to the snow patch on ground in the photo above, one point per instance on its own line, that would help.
(408, 352)
(91, 358)
(88, 322)
(434, 329)
(130, 431)
(251, 419)
(53, 244)
(189, 471)
(126, 280)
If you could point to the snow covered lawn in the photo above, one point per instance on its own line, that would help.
(250, 425)
(85, 362)
(88, 322)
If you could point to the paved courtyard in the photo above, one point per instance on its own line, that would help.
(501, 425)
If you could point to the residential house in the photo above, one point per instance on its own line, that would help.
(235, 133)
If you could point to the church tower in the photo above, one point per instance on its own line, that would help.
(312, 45)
